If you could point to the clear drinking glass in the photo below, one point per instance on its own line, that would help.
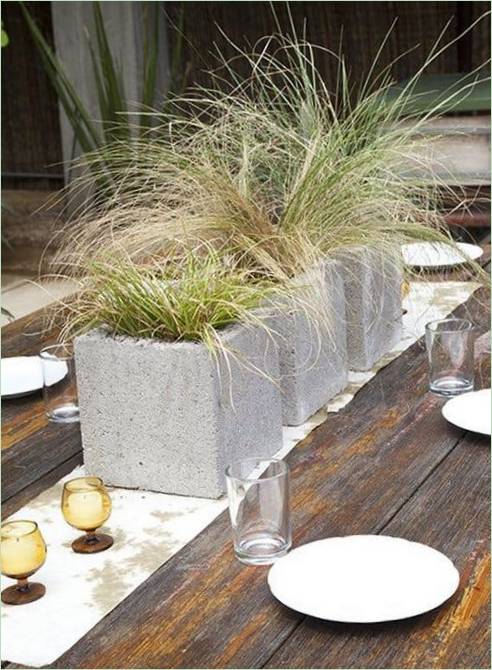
(450, 345)
(258, 491)
(60, 388)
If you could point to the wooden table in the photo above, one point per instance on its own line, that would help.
(387, 463)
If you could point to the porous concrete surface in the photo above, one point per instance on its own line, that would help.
(312, 344)
(169, 416)
(373, 302)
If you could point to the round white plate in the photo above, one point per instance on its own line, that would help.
(438, 255)
(363, 579)
(22, 375)
(471, 411)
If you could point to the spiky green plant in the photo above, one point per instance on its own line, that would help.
(120, 120)
(190, 300)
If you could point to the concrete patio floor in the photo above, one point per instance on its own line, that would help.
(21, 294)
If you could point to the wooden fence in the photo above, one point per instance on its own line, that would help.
(30, 127)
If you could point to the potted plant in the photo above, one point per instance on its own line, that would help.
(192, 194)
(177, 372)
(288, 176)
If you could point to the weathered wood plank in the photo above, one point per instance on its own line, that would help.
(21, 417)
(464, 220)
(26, 336)
(352, 475)
(27, 461)
(451, 512)
(31, 446)
(373, 449)
(25, 495)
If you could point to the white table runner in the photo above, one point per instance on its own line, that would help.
(149, 528)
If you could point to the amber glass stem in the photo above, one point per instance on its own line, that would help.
(22, 585)
(91, 537)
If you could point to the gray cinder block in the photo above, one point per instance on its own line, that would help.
(312, 346)
(372, 281)
(169, 416)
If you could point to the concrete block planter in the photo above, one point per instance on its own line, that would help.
(372, 283)
(169, 417)
(313, 362)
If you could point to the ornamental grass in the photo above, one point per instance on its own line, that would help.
(272, 175)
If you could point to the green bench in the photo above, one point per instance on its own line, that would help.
(434, 90)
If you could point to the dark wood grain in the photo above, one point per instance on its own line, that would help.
(32, 448)
(357, 29)
(451, 512)
(35, 456)
(31, 141)
(472, 220)
(25, 495)
(22, 417)
(354, 474)
(366, 469)
(26, 336)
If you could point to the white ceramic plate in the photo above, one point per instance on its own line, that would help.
(22, 375)
(471, 411)
(363, 578)
(438, 255)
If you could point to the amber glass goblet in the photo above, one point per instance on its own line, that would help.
(23, 551)
(86, 505)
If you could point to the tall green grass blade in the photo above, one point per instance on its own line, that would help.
(151, 50)
(85, 129)
(116, 123)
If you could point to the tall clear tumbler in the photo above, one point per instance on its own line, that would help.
(450, 348)
(60, 386)
(258, 493)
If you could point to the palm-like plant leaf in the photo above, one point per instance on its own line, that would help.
(151, 49)
(114, 110)
(84, 128)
